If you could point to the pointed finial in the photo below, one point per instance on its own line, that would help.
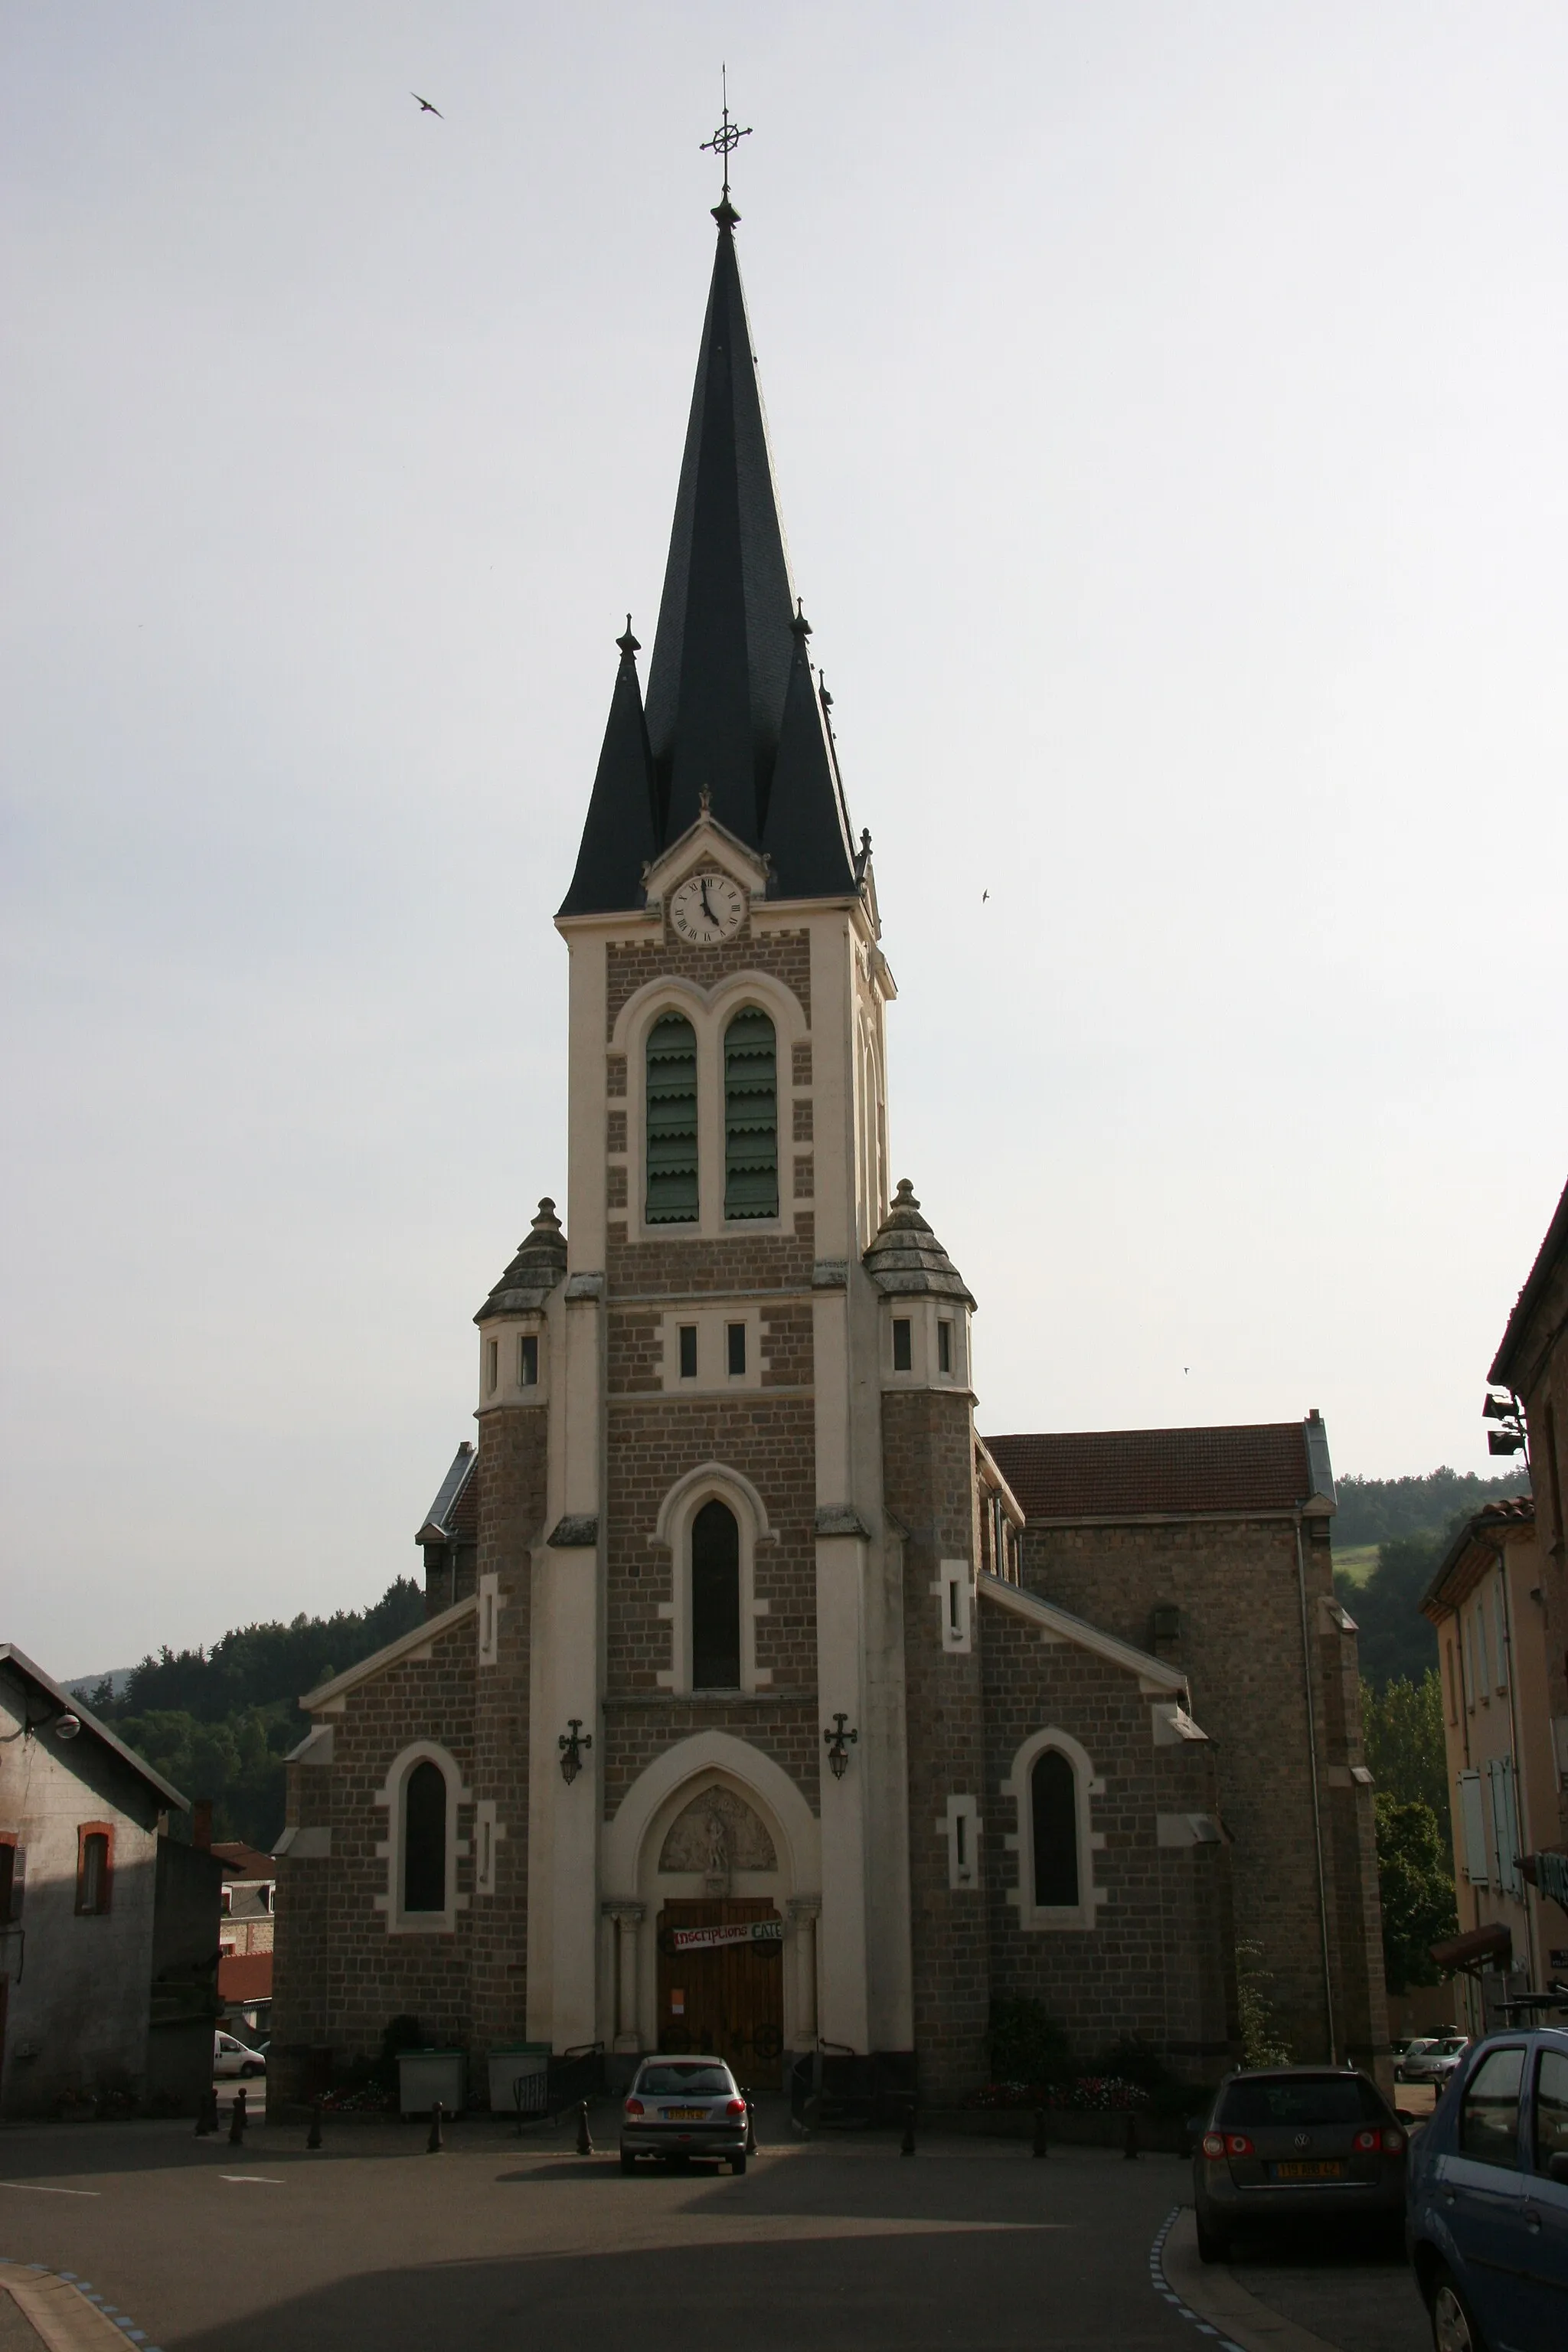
(705, 802)
(865, 841)
(827, 698)
(723, 143)
(628, 644)
(800, 625)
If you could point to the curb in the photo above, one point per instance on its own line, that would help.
(67, 2312)
(1215, 2302)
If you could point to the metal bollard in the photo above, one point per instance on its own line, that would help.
(1130, 2150)
(314, 2137)
(751, 2126)
(434, 2144)
(584, 2138)
(1039, 2147)
(236, 2121)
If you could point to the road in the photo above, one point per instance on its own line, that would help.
(374, 2243)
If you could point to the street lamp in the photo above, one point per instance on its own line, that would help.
(839, 1743)
(572, 1743)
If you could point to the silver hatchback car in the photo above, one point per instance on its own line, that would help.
(680, 2108)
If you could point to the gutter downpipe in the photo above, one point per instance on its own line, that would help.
(1317, 1795)
(1521, 1826)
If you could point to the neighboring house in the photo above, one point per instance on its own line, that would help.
(760, 1701)
(1531, 1366)
(108, 1929)
(245, 1932)
(1485, 1602)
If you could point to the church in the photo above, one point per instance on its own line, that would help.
(762, 1706)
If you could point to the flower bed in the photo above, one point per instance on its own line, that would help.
(1091, 2094)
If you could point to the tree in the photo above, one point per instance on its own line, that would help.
(1402, 1729)
(1415, 1879)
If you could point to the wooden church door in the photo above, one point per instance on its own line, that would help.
(721, 1983)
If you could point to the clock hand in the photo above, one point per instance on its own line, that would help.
(706, 908)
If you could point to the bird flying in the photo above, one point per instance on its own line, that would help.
(983, 896)
(426, 107)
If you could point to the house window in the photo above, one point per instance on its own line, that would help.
(492, 1365)
(715, 1599)
(10, 1881)
(226, 1900)
(751, 1117)
(671, 1113)
(944, 1347)
(425, 1839)
(903, 1354)
(735, 1337)
(688, 1351)
(1053, 1810)
(93, 1853)
(528, 1361)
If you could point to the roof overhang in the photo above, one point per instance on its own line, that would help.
(61, 1702)
(1477, 1948)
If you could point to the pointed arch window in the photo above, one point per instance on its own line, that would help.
(425, 1839)
(671, 1122)
(715, 1599)
(1053, 1807)
(751, 1117)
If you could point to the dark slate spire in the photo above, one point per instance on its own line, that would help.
(722, 656)
(805, 827)
(620, 836)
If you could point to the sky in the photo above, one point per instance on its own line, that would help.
(1167, 404)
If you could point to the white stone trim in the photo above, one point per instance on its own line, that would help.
(1060, 1625)
(305, 1844)
(952, 1590)
(962, 1826)
(416, 1644)
(488, 1833)
(491, 1604)
(1085, 1912)
(737, 1759)
(392, 1794)
(712, 1482)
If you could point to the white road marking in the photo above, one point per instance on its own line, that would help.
(262, 2180)
(37, 2189)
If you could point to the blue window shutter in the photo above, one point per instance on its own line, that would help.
(751, 1117)
(671, 1122)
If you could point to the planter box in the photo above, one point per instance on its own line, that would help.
(519, 2079)
(425, 2076)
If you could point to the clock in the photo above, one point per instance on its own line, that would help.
(708, 907)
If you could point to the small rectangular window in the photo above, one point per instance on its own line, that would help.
(944, 1347)
(492, 1365)
(903, 1354)
(92, 1872)
(688, 1351)
(7, 1880)
(737, 1339)
(528, 1361)
(961, 1840)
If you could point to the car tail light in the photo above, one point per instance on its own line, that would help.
(1213, 2144)
(1237, 2144)
(1384, 2138)
(735, 2107)
(1366, 2143)
(1392, 2143)
(634, 2107)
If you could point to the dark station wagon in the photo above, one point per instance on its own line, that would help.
(1296, 2144)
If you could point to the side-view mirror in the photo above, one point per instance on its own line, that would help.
(1557, 2166)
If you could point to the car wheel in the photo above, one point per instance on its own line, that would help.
(628, 2162)
(737, 2164)
(1454, 2328)
(1213, 2245)
(249, 2070)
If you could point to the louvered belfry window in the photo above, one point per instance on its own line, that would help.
(672, 1121)
(751, 1117)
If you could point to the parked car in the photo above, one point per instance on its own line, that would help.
(1296, 2144)
(232, 2057)
(1432, 2059)
(680, 2108)
(1487, 2216)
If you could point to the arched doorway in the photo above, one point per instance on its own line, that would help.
(719, 1985)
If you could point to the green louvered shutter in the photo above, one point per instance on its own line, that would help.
(751, 1117)
(672, 1122)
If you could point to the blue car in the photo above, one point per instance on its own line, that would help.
(1486, 2210)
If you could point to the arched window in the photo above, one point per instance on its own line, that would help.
(715, 1599)
(1053, 1807)
(751, 1117)
(672, 1121)
(425, 1839)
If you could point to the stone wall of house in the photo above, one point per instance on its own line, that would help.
(928, 1455)
(1234, 1583)
(1157, 1964)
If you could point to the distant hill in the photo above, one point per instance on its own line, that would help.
(83, 1685)
(219, 1723)
(1410, 1520)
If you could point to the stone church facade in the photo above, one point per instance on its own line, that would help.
(760, 1703)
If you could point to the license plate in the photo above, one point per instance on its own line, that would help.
(684, 2114)
(1307, 2171)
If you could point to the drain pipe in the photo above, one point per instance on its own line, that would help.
(1317, 1794)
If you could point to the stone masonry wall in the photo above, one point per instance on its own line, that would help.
(928, 1452)
(1234, 1584)
(1157, 1964)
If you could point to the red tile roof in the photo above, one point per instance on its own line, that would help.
(1110, 1473)
(242, 1861)
(245, 1976)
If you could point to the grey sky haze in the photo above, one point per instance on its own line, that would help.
(1168, 407)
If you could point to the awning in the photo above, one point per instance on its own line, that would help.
(1479, 1947)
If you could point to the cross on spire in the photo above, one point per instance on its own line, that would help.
(728, 136)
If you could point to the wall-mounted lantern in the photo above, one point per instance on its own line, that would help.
(573, 1743)
(839, 1743)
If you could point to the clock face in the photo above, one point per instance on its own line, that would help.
(706, 907)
